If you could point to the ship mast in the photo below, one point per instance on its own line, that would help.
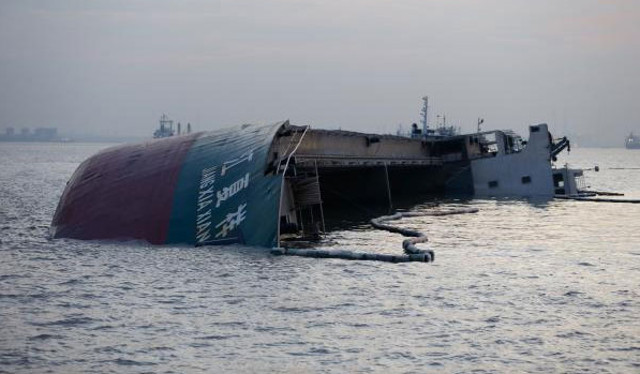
(423, 115)
(166, 124)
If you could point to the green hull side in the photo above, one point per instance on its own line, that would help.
(222, 195)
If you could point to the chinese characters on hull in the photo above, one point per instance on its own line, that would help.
(206, 196)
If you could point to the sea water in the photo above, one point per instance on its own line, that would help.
(520, 286)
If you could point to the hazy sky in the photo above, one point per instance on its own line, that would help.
(113, 67)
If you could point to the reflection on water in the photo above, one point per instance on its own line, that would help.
(520, 286)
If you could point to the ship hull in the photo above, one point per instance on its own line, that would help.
(198, 189)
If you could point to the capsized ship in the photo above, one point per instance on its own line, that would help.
(257, 184)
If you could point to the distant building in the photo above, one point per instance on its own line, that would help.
(40, 134)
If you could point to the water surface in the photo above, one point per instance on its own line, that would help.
(521, 286)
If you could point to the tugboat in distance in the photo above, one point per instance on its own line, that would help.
(166, 128)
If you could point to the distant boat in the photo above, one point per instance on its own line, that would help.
(632, 142)
(166, 128)
(441, 131)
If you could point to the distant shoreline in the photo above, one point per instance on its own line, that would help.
(77, 140)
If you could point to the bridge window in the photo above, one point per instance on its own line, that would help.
(526, 179)
(493, 184)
